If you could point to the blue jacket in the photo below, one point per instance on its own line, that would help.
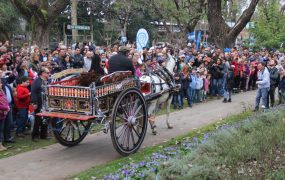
(193, 84)
(263, 79)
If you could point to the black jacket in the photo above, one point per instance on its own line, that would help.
(120, 62)
(36, 92)
(217, 71)
(274, 76)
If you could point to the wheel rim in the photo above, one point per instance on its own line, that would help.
(129, 122)
(71, 131)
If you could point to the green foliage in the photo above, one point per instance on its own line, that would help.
(269, 29)
(9, 19)
(235, 153)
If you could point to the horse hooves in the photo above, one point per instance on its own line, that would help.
(154, 132)
(169, 126)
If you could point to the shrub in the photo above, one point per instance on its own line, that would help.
(239, 152)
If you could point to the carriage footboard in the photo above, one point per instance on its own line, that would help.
(66, 116)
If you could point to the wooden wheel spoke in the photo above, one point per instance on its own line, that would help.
(67, 133)
(124, 111)
(123, 138)
(128, 138)
(138, 110)
(121, 132)
(121, 125)
(78, 129)
(136, 132)
(125, 119)
(133, 138)
(73, 133)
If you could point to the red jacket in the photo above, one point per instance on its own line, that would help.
(23, 97)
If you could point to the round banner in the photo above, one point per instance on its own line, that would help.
(142, 39)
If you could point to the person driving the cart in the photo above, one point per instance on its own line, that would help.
(120, 61)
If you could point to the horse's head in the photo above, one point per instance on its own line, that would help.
(170, 63)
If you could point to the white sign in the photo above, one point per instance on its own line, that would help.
(142, 39)
(78, 27)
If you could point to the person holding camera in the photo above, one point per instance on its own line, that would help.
(263, 84)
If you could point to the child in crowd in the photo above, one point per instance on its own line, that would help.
(22, 105)
(199, 87)
(206, 88)
(192, 87)
(177, 95)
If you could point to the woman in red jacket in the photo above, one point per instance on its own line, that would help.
(22, 105)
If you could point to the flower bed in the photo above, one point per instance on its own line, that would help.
(161, 160)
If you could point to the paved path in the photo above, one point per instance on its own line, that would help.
(58, 162)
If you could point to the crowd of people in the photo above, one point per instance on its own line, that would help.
(209, 71)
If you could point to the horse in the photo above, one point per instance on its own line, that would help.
(162, 87)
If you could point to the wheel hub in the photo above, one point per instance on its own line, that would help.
(132, 120)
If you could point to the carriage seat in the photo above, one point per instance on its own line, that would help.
(115, 77)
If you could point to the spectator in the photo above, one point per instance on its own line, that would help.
(217, 78)
(96, 65)
(136, 66)
(36, 99)
(229, 84)
(88, 61)
(44, 55)
(35, 63)
(23, 102)
(186, 80)
(9, 118)
(192, 87)
(177, 95)
(199, 87)
(22, 68)
(78, 59)
(67, 63)
(282, 86)
(274, 81)
(263, 84)
(4, 109)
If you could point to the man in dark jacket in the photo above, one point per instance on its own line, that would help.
(120, 62)
(78, 59)
(274, 82)
(36, 100)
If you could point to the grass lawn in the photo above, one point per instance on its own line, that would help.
(24, 145)
(113, 166)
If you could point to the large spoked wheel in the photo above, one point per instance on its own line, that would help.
(69, 132)
(129, 121)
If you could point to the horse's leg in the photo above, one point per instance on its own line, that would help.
(168, 104)
(151, 117)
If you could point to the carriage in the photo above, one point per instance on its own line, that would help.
(119, 104)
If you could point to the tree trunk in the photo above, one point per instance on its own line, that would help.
(40, 35)
(222, 34)
(74, 4)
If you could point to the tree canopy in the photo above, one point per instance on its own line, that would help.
(183, 14)
(269, 25)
